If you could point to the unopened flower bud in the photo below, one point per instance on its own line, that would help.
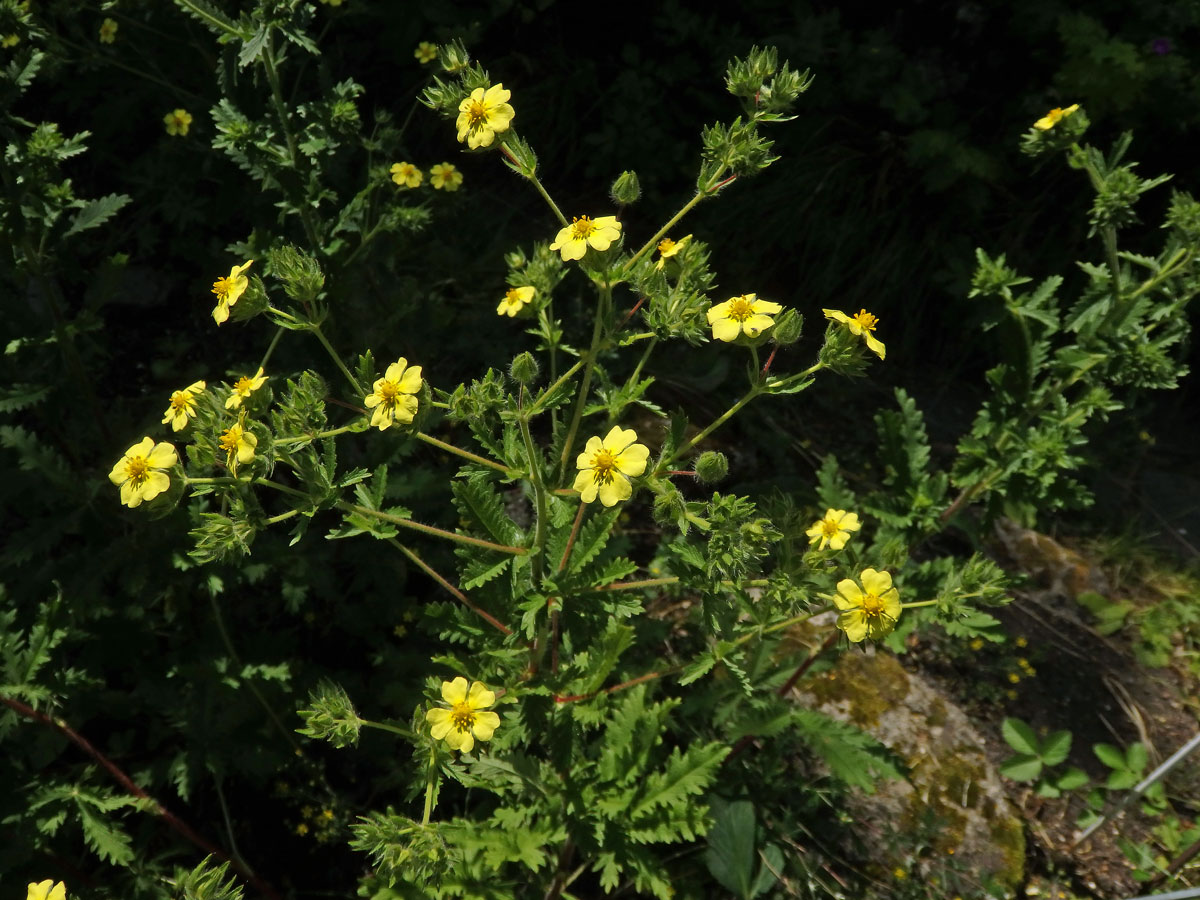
(626, 189)
(669, 506)
(524, 369)
(712, 466)
(787, 327)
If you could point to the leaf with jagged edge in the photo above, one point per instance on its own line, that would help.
(477, 498)
(207, 14)
(853, 756)
(686, 775)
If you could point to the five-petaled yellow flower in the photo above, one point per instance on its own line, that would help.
(1052, 118)
(238, 444)
(444, 176)
(139, 473)
(183, 406)
(406, 174)
(605, 466)
(229, 289)
(46, 890)
(425, 52)
(483, 115)
(244, 387)
(745, 314)
(178, 121)
(573, 240)
(108, 31)
(464, 722)
(834, 529)
(515, 299)
(393, 396)
(867, 611)
(668, 248)
(861, 323)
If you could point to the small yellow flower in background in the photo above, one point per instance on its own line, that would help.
(514, 300)
(1014, 677)
(244, 387)
(139, 473)
(46, 890)
(445, 176)
(741, 314)
(483, 115)
(229, 289)
(861, 323)
(178, 122)
(463, 723)
(406, 174)
(426, 53)
(10, 40)
(392, 396)
(668, 248)
(867, 611)
(834, 529)
(1052, 118)
(108, 31)
(573, 240)
(976, 644)
(1022, 641)
(238, 444)
(606, 465)
(183, 406)
(302, 829)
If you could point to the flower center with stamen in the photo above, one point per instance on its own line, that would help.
(222, 288)
(866, 320)
(665, 246)
(513, 295)
(137, 470)
(829, 528)
(389, 391)
(462, 717)
(872, 606)
(180, 400)
(741, 309)
(244, 386)
(603, 463)
(231, 437)
(582, 227)
(477, 114)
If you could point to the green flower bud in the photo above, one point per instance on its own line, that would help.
(331, 716)
(626, 189)
(787, 328)
(669, 506)
(712, 466)
(252, 303)
(523, 369)
(454, 56)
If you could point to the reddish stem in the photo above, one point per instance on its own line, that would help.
(573, 698)
(562, 564)
(633, 312)
(436, 576)
(127, 783)
(770, 359)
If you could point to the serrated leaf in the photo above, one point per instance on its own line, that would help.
(853, 756)
(96, 212)
(252, 49)
(686, 775)
(110, 843)
(482, 568)
(1021, 767)
(476, 497)
(1056, 747)
(1109, 755)
(1019, 736)
(1071, 779)
(1136, 757)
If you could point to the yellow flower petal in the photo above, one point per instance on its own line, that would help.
(480, 697)
(454, 692)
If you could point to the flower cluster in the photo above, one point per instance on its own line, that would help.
(607, 464)
(443, 176)
(464, 722)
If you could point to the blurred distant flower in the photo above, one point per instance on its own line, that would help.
(444, 176)
(1052, 118)
(425, 52)
(406, 174)
(178, 121)
(108, 31)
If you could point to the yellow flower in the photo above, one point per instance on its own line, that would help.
(392, 396)
(1014, 677)
(139, 473)
(1022, 641)
(862, 323)
(108, 31)
(244, 387)
(183, 406)
(178, 122)
(425, 52)
(302, 829)
(463, 723)
(483, 115)
(834, 529)
(742, 314)
(668, 248)
(444, 175)
(573, 240)
(238, 444)
(228, 290)
(1052, 118)
(605, 466)
(10, 40)
(47, 890)
(514, 300)
(870, 611)
(976, 644)
(406, 174)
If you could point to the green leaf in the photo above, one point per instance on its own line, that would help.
(730, 855)
(252, 49)
(1021, 767)
(1056, 747)
(1109, 755)
(1019, 736)
(109, 842)
(687, 774)
(96, 212)
(1136, 758)
(476, 497)
(1071, 779)
(853, 756)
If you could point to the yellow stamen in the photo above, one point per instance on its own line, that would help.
(137, 470)
(865, 320)
(582, 227)
(603, 463)
(477, 114)
(181, 400)
(829, 528)
(665, 246)
(740, 309)
(462, 717)
(389, 391)
(513, 295)
(230, 439)
(222, 287)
